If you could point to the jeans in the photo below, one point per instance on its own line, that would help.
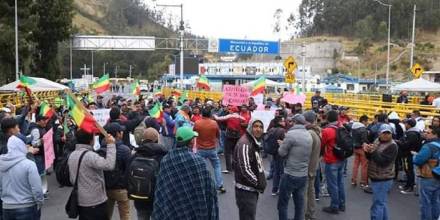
(335, 184)
(246, 203)
(409, 171)
(360, 160)
(295, 186)
(29, 213)
(379, 209)
(118, 196)
(212, 156)
(221, 142)
(278, 170)
(229, 151)
(94, 212)
(310, 203)
(429, 199)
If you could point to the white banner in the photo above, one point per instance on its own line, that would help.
(265, 116)
(101, 115)
(258, 99)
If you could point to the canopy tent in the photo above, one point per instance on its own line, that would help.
(268, 83)
(418, 85)
(41, 85)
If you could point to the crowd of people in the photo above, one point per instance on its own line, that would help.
(164, 169)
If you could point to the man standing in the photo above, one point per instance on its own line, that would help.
(334, 166)
(420, 122)
(315, 132)
(360, 136)
(317, 101)
(249, 172)
(115, 180)
(92, 196)
(168, 135)
(37, 130)
(184, 187)
(297, 146)
(381, 155)
(412, 141)
(403, 98)
(207, 140)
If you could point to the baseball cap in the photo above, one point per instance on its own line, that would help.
(410, 121)
(298, 118)
(113, 128)
(184, 134)
(385, 128)
(310, 116)
(151, 134)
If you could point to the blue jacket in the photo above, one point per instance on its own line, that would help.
(430, 150)
(170, 124)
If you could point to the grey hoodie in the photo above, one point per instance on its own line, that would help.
(20, 183)
(297, 146)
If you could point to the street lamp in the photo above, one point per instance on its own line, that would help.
(389, 36)
(182, 32)
(16, 43)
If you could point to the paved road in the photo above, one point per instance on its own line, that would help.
(402, 207)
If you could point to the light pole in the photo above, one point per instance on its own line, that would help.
(182, 32)
(303, 53)
(17, 76)
(413, 38)
(104, 68)
(389, 39)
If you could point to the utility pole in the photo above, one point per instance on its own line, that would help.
(116, 71)
(303, 68)
(130, 71)
(104, 69)
(92, 65)
(71, 66)
(389, 40)
(413, 38)
(17, 72)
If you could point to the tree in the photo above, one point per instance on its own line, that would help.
(54, 23)
(277, 20)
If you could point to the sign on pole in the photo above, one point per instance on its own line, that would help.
(290, 66)
(417, 70)
(247, 46)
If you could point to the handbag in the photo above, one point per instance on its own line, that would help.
(71, 207)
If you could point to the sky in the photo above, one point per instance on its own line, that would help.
(237, 19)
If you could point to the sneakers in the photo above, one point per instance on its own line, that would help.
(225, 171)
(342, 209)
(407, 191)
(368, 189)
(403, 187)
(317, 199)
(275, 193)
(222, 189)
(331, 210)
(354, 184)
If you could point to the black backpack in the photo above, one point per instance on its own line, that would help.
(344, 142)
(142, 173)
(114, 178)
(270, 143)
(61, 168)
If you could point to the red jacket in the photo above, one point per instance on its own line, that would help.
(328, 142)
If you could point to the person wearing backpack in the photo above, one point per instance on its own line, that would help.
(412, 141)
(23, 197)
(92, 196)
(334, 166)
(142, 171)
(115, 180)
(360, 136)
(296, 147)
(427, 160)
(271, 145)
(381, 156)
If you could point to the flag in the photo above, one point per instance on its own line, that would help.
(82, 120)
(46, 110)
(102, 85)
(259, 86)
(157, 92)
(203, 83)
(25, 83)
(156, 112)
(135, 88)
(176, 93)
(183, 97)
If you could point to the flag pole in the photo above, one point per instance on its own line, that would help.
(81, 106)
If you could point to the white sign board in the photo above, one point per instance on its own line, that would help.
(258, 99)
(264, 116)
(101, 115)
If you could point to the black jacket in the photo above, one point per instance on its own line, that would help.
(129, 125)
(412, 141)
(248, 165)
(360, 135)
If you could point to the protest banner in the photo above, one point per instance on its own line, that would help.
(49, 154)
(101, 115)
(235, 95)
(264, 116)
(292, 98)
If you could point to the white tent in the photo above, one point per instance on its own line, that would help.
(41, 85)
(268, 83)
(418, 85)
